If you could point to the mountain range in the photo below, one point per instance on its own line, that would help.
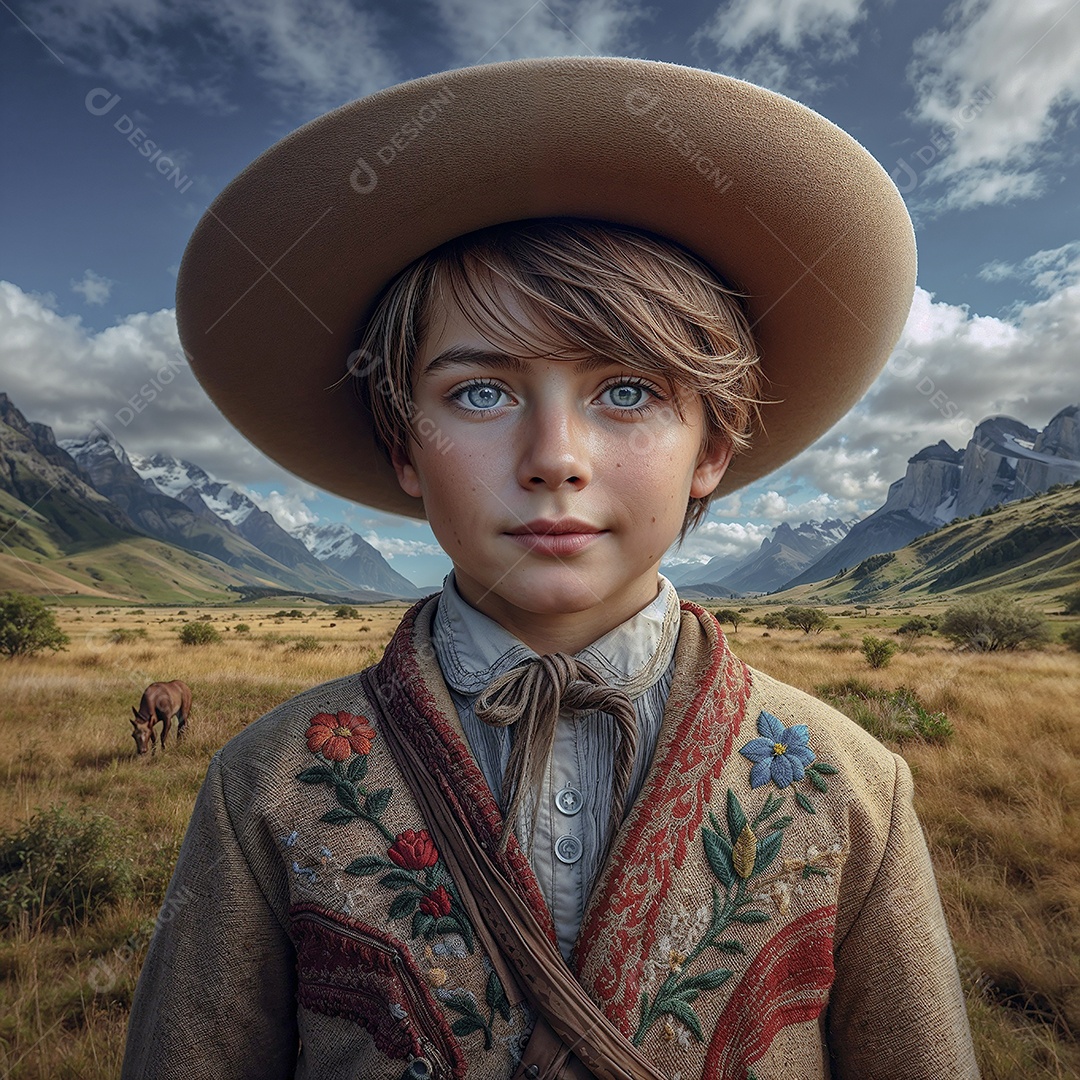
(89, 492)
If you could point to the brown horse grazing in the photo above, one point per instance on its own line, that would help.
(160, 701)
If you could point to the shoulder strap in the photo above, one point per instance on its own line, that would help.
(572, 1031)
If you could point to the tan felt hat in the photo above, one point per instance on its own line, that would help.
(284, 265)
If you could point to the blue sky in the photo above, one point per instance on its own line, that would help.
(124, 118)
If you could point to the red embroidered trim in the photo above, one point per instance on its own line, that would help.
(403, 690)
(348, 969)
(663, 824)
(787, 983)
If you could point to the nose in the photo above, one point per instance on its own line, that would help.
(554, 447)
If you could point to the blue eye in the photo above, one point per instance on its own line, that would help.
(481, 396)
(627, 394)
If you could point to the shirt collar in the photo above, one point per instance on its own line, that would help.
(473, 649)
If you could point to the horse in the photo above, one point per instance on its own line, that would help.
(160, 701)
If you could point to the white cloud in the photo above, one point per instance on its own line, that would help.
(995, 84)
(712, 538)
(783, 44)
(312, 56)
(288, 509)
(130, 378)
(485, 31)
(1049, 271)
(94, 288)
(389, 546)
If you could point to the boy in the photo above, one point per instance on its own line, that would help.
(559, 829)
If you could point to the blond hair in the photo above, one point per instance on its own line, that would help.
(596, 288)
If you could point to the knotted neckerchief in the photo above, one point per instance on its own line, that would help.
(531, 697)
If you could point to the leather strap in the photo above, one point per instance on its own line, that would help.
(574, 1039)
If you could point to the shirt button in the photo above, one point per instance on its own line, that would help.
(568, 849)
(569, 801)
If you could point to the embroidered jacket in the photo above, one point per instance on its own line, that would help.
(768, 909)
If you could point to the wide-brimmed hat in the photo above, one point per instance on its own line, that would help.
(285, 264)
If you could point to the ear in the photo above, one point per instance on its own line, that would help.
(408, 477)
(135, 723)
(712, 464)
(136, 712)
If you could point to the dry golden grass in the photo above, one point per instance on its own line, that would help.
(1000, 804)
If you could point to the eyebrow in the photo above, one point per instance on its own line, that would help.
(461, 355)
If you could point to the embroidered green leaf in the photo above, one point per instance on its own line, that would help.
(744, 851)
(707, 980)
(682, 1012)
(346, 794)
(816, 780)
(316, 774)
(466, 1025)
(750, 917)
(366, 865)
(781, 823)
(423, 925)
(823, 767)
(338, 815)
(398, 877)
(456, 924)
(403, 905)
(730, 947)
(496, 996)
(804, 802)
(766, 851)
(357, 768)
(736, 819)
(377, 802)
(718, 852)
(819, 870)
(772, 804)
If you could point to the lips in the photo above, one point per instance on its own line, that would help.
(556, 537)
(553, 527)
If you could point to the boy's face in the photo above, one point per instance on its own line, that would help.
(508, 446)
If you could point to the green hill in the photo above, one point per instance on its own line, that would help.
(1029, 548)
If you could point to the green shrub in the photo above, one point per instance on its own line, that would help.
(199, 633)
(27, 626)
(916, 626)
(123, 636)
(346, 612)
(807, 619)
(992, 622)
(1071, 602)
(1071, 637)
(241, 628)
(729, 615)
(62, 869)
(307, 643)
(878, 651)
(773, 620)
(887, 714)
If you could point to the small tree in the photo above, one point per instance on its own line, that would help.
(915, 627)
(775, 620)
(992, 622)
(199, 633)
(878, 651)
(807, 619)
(729, 615)
(346, 612)
(1071, 602)
(27, 626)
(1071, 637)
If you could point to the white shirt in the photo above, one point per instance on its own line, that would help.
(572, 826)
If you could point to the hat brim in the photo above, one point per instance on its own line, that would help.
(286, 262)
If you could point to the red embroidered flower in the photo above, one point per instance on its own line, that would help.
(339, 737)
(436, 903)
(414, 851)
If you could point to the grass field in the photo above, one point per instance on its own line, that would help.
(1000, 802)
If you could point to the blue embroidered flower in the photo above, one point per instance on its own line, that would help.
(780, 755)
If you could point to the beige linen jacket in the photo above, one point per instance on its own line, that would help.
(767, 911)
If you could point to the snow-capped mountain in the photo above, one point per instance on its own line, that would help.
(1004, 460)
(786, 552)
(351, 556)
